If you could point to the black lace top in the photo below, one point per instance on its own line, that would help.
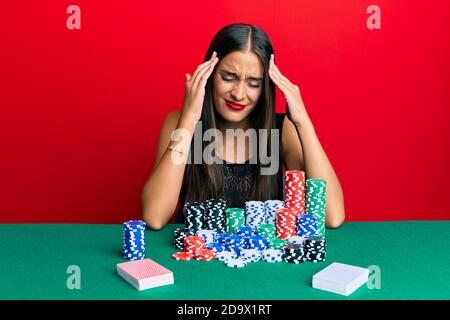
(240, 177)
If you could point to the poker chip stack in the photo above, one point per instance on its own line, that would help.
(315, 249)
(226, 255)
(286, 223)
(255, 213)
(293, 253)
(235, 218)
(271, 207)
(268, 231)
(257, 242)
(235, 243)
(208, 236)
(250, 255)
(194, 247)
(134, 240)
(272, 255)
(277, 243)
(316, 202)
(194, 213)
(295, 190)
(245, 231)
(215, 218)
(179, 235)
(221, 237)
(193, 243)
(306, 225)
(296, 240)
(216, 247)
(235, 263)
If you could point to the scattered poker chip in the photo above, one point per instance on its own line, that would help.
(235, 263)
(182, 256)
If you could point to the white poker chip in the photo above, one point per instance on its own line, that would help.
(296, 240)
(273, 255)
(226, 255)
(236, 263)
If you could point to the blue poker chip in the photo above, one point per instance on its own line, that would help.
(215, 246)
(134, 239)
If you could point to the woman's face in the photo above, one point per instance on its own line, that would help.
(238, 79)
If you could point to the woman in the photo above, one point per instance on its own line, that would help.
(235, 89)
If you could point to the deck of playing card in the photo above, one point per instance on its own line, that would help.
(145, 274)
(340, 278)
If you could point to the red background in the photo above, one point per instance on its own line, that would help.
(81, 109)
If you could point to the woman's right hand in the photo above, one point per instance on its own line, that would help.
(195, 89)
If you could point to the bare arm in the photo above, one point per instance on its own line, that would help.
(304, 152)
(162, 190)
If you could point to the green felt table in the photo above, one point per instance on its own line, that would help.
(413, 257)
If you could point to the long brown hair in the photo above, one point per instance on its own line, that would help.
(205, 181)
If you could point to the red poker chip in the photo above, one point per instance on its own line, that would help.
(204, 258)
(205, 252)
(183, 256)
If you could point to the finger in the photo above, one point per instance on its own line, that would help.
(201, 70)
(281, 76)
(205, 73)
(204, 64)
(188, 76)
(276, 78)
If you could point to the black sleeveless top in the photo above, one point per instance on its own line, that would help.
(239, 178)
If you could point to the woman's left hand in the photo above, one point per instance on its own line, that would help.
(296, 110)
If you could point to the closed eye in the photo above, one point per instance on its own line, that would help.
(231, 80)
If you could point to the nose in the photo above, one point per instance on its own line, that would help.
(238, 91)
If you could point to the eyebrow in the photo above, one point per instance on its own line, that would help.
(235, 75)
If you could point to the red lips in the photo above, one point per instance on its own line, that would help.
(234, 105)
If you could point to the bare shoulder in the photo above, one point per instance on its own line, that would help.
(291, 146)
